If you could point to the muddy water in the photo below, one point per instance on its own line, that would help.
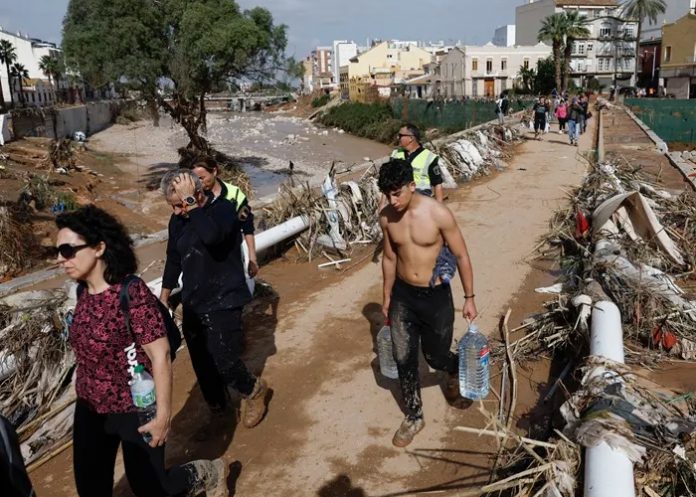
(266, 145)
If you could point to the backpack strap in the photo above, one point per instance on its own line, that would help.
(124, 298)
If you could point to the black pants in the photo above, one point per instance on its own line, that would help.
(14, 481)
(96, 438)
(215, 345)
(420, 315)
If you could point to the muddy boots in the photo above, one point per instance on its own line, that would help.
(409, 428)
(254, 405)
(209, 477)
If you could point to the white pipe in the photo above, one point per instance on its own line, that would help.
(608, 472)
(278, 233)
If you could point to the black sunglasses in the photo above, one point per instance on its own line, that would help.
(68, 251)
(401, 135)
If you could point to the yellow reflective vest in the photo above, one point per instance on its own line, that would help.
(234, 194)
(420, 164)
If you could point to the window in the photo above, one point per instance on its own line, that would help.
(525, 63)
(668, 53)
(474, 64)
(628, 31)
(489, 65)
(503, 65)
(590, 46)
(604, 32)
(474, 88)
(581, 48)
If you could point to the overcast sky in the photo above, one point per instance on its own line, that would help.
(319, 22)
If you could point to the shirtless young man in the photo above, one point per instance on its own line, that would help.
(415, 228)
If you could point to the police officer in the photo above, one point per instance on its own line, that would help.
(426, 168)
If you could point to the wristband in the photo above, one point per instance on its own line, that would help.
(469, 296)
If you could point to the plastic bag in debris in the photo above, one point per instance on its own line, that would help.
(619, 408)
(79, 136)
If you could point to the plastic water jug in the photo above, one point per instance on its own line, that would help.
(474, 357)
(143, 393)
(387, 365)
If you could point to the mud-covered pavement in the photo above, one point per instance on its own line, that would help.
(328, 431)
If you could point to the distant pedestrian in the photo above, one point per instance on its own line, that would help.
(204, 247)
(584, 105)
(541, 111)
(574, 113)
(562, 116)
(94, 249)
(502, 105)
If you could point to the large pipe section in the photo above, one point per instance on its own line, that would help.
(608, 472)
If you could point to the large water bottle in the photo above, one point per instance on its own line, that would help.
(387, 365)
(143, 393)
(474, 356)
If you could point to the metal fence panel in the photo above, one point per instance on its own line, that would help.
(672, 120)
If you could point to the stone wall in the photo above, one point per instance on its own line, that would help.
(63, 122)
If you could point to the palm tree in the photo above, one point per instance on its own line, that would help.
(8, 56)
(639, 10)
(52, 67)
(19, 72)
(575, 29)
(553, 29)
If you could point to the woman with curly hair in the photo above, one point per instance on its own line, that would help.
(94, 249)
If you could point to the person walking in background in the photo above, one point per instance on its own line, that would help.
(574, 115)
(425, 164)
(208, 172)
(204, 246)
(562, 115)
(584, 115)
(502, 105)
(415, 300)
(93, 248)
(541, 111)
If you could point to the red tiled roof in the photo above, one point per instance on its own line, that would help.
(590, 3)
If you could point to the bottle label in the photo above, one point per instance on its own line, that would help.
(144, 400)
(484, 355)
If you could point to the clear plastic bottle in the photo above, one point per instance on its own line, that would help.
(143, 393)
(474, 356)
(387, 365)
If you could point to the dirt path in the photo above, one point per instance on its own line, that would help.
(328, 432)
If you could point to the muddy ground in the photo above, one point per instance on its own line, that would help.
(331, 418)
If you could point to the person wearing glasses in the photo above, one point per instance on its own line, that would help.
(425, 164)
(204, 247)
(93, 248)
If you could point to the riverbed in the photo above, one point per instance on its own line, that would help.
(266, 145)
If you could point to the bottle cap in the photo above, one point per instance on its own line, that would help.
(473, 328)
(139, 368)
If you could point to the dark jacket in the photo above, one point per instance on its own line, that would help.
(206, 247)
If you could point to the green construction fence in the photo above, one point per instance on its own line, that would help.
(672, 120)
(450, 115)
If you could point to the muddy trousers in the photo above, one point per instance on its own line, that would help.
(215, 343)
(420, 316)
(14, 480)
(96, 438)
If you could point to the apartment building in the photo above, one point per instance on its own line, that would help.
(322, 67)
(36, 89)
(486, 71)
(504, 36)
(679, 57)
(343, 51)
(608, 53)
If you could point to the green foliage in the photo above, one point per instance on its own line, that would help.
(553, 29)
(193, 46)
(372, 121)
(321, 100)
(594, 85)
(640, 9)
(544, 80)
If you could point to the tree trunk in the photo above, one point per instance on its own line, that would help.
(9, 82)
(635, 60)
(2, 99)
(567, 51)
(188, 114)
(557, 66)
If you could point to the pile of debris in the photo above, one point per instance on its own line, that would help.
(622, 239)
(475, 152)
(36, 365)
(625, 240)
